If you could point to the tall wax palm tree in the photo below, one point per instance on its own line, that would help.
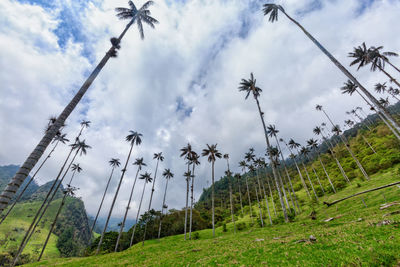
(228, 174)
(344, 140)
(350, 87)
(186, 152)
(272, 10)
(381, 88)
(57, 139)
(305, 151)
(238, 176)
(138, 16)
(249, 87)
(350, 124)
(261, 164)
(167, 175)
(273, 132)
(313, 145)
(364, 115)
(75, 168)
(78, 146)
(139, 162)
(188, 176)
(134, 138)
(258, 163)
(252, 169)
(114, 164)
(146, 177)
(243, 165)
(194, 160)
(212, 153)
(159, 158)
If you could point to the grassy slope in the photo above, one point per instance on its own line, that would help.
(19, 219)
(343, 241)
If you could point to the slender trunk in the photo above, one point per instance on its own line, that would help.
(393, 66)
(308, 177)
(369, 145)
(259, 206)
(390, 76)
(162, 209)
(102, 200)
(231, 202)
(191, 205)
(212, 199)
(126, 211)
(283, 189)
(316, 175)
(52, 226)
(273, 167)
(326, 173)
(266, 202)
(272, 197)
(29, 182)
(240, 197)
(114, 199)
(259, 190)
(187, 201)
(348, 74)
(137, 215)
(151, 198)
(248, 195)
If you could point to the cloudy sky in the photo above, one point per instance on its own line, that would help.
(180, 84)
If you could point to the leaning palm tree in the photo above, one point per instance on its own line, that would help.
(139, 162)
(381, 88)
(188, 176)
(78, 146)
(337, 130)
(212, 153)
(306, 151)
(237, 176)
(350, 124)
(243, 165)
(249, 87)
(147, 179)
(74, 168)
(159, 157)
(272, 10)
(57, 139)
(194, 160)
(167, 175)
(114, 164)
(134, 138)
(138, 16)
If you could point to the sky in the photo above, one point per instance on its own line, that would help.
(179, 84)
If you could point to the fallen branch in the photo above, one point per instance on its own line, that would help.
(385, 206)
(360, 193)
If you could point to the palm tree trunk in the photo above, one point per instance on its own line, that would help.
(126, 212)
(231, 202)
(259, 206)
(326, 173)
(212, 198)
(316, 175)
(114, 199)
(187, 201)
(309, 180)
(240, 196)
(102, 200)
(330, 146)
(29, 182)
(34, 157)
(273, 167)
(393, 66)
(266, 202)
(151, 198)
(366, 141)
(137, 215)
(248, 195)
(272, 197)
(191, 205)
(52, 226)
(390, 76)
(283, 189)
(348, 74)
(162, 209)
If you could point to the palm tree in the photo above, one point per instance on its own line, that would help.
(273, 132)
(147, 179)
(237, 176)
(243, 165)
(78, 146)
(364, 56)
(167, 175)
(212, 153)
(114, 164)
(138, 162)
(140, 16)
(305, 151)
(249, 86)
(194, 160)
(57, 139)
(188, 176)
(159, 158)
(228, 174)
(337, 130)
(75, 168)
(350, 124)
(134, 138)
(186, 152)
(350, 88)
(273, 10)
(261, 164)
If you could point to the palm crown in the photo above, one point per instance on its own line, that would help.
(146, 177)
(139, 162)
(80, 146)
(249, 86)
(158, 156)
(271, 130)
(317, 130)
(76, 167)
(212, 153)
(137, 15)
(134, 138)
(349, 88)
(272, 10)
(114, 162)
(168, 174)
(312, 143)
(243, 165)
(380, 87)
(293, 144)
(61, 138)
(85, 124)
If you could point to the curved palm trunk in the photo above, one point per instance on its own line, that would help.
(248, 195)
(212, 198)
(347, 145)
(272, 197)
(191, 205)
(273, 167)
(29, 182)
(259, 206)
(266, 202)
(43, 208)
(126, 211)
(390, 76)
(326, 173)
(137, 215)
(34, 157)
(102, 200)
(151, 198)
(348, 74)
(162, 209)
(240, 196)
(114, 199)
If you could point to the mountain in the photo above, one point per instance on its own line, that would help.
(7, 172)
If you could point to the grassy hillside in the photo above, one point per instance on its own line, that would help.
(355, 237)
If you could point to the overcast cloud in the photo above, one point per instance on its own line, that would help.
(180, 84)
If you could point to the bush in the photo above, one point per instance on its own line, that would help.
(224, 228)
(196, 235)
(241, 226)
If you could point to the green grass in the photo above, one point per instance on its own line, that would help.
(345, 241)
(17, 223)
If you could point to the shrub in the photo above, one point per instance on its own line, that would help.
(196, 235)
(241, 226)
(224, 228)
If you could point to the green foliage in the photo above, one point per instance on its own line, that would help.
(196, 236)
(241, 226)
(224, 228)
